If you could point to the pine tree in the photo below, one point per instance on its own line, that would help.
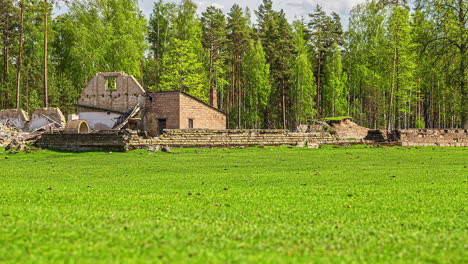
(276, 35)
(215, 43)
(325, 31)
(8, 23)
(238, 43)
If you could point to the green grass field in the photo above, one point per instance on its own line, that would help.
(255, 205)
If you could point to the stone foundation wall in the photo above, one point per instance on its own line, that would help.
(228, 138)
(121, 141)
(112, 141)
(434, 137)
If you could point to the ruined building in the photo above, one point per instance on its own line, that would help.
(115, 100)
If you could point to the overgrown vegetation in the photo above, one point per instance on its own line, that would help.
(399, 64)
(336, 204)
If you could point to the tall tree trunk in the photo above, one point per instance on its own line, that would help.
(463, 86)
(283, 104)
(6, 55)
(210, 70)
(319, 88)
(46, 16)
(462, 17)
(239, 96)
(392, 91)
(20, 55)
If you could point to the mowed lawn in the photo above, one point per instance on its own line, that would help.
(252, 205)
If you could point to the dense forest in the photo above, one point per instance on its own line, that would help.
(399, 64)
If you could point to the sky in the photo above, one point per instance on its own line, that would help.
(293, 8)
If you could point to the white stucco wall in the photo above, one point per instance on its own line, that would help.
(99, 120)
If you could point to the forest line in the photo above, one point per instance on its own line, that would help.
(399, 64)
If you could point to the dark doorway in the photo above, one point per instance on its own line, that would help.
(190, 123)
(161, 125)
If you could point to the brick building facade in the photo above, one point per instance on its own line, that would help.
(178, 110)
(109, 95)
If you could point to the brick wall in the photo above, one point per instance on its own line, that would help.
(203, 116)
(161, 106)
(177, 108)
(128, 93)
(228, 138)
(434, 137)
(114, 141)
(120, 141)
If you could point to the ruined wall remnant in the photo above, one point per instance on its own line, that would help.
(107, 96)
(16, 117)
(434, 137)
(235, 138)
(44, 116)
(122, 141)
(115, 141)
(113, 91)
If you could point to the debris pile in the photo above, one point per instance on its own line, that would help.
(13, 136)
(347, 129)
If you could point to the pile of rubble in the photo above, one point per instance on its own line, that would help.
(346, 129)
(16, 129)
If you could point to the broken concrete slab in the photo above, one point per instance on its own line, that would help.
(14, 117)
(44, 116)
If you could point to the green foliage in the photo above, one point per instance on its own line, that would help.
(335, 87)
(215, 43)
(182, 67)
(304, 90)
(278, 42)
(336, 118)
(325, 32)
(182, 70)
(257, 83)
(245, 206)
(239, 37)
(160, 33)
(95, 36)
(399, 64)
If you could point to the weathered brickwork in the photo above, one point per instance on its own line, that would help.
(114, 141)
(232, 138)
(434, 137)
(177, 108)
(122, 96)
(161, 106)
(203, 115)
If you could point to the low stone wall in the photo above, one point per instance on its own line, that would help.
(232, 138)
(112, 141)
(434, 137)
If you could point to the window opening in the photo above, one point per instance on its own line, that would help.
(111, 83)
(190, 123)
